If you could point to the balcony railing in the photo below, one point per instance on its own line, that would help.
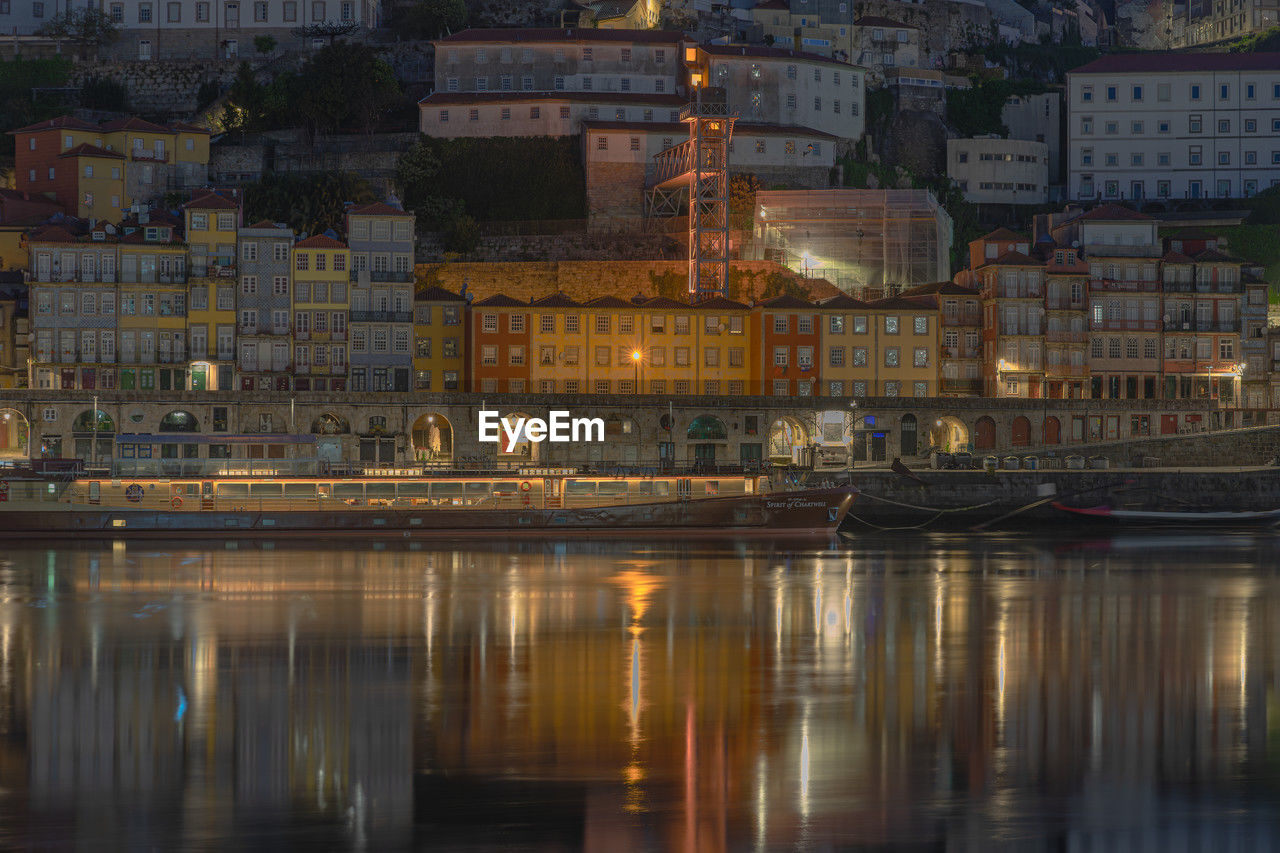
(1218, 326)
(1061, 336)
(382, 275)
(381, 316)
(1125, 325)
(142, 154)
(301, 335)
(961, 352)
(1067, 370)
(1019, 329)
(1202, 287)
(962, 319)
(1122, 286)
(1063, 303)
(969, 386)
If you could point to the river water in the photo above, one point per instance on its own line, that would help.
(973, 692)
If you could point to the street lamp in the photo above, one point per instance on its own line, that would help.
(636, 357)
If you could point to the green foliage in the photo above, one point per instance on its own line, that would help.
(1040, 62)
(1265, 207)
(19, 106)
(86, 28)
(103, 93)
(343, 87)
(1257, 243)
(264, 44)
(495, 178)
(308, 204)
(879, 107)
(782, 284)
(462, 235)
(428, 19)
(1266, 41)
(672, 285)
(208, 93)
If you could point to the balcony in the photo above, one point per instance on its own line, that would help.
(381, 316)
(403, 276)
(301, 335)
(246, 329)
(1060, 336)
(974, 319)
(962, 386)
(1125, 325)
(338, 335)
(1067, 370)
(1218, 326)
(1063, 303)
(961, 352)
(1020, 293)
(142, 155)
(1115, 285)
(1019, 330)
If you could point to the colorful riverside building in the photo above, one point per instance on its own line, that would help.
(96, 171)
(439, 340)
(152, 315)
(321, 279)
(263, 302)
(381, 239)
(959, 315)
(211, 223)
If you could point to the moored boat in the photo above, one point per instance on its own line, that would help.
(1178, 518)
(444, 504)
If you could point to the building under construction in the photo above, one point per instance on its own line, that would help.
(866, 242)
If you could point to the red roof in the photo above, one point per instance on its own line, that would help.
(1014, 259)
(134, 123)
(52, 234)
(1005, 234)
(536, 34)
(377, 209)
(608, 302)
(787, 301)
(187, 128)
(320, 241)
(662, 302)
(722, 303)
(450, 98)
(1138, 63)
(501, 300)
(943, 288)
(555, 300)
(212, 201)
(1113, 213)
(84, 149)
(844, 300)
(878, 21)
(265, 223)
(1176, 258)
(438, 294)
(61, 122)
(731, 50)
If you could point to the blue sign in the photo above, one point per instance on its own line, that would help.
(869, 420)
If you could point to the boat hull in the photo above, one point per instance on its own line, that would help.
(810, 509)
(1147, 518)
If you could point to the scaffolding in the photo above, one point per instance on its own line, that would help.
(699, 168)
(866, 242)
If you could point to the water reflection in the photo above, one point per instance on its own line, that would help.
(696, 695)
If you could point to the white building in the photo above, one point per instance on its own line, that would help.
(202, 29)
(1177, 126)
(992, 170)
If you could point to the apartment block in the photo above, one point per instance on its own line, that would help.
(439, 340)
(211, 222)
(381, 239)
(1174, 126)
(992, 170)
(321, 288)
(261, 298)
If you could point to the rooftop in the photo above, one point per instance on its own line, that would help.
(379, 208)
(447, 98)
(553, 34)
(320, 241)
(1114, 63)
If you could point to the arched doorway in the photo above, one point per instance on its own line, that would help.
(704, 435)
(1052, 430)
(1020, 434)
(984, 433)
(15, 435)
(522, 452)
(950, 435)
(179, 421)
(787, 436)
(908, 434)
(432, 438)
(94, 435)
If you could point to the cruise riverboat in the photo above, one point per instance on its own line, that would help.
(437, 504)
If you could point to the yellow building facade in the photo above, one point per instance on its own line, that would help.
(439, 332)
(321, 297)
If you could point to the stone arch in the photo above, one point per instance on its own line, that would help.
(950, 434)
(84, 422)
(1052, 431)
(786, 435)
(984, 433)
(1020, 432)
(330, 424)
(179, 421)
(707, 428)
(15, 435)
(908, 436)
(432, 438)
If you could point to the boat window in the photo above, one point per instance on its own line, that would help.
(380, 491)
(644, 487)
(713, 487)
(506, 487)
(348, 490)
(233, 490)
(300, 490)
(266, 490)
(413, 490)
(579, 487)
(478, 492)
(662, 488)
(613, 488)
(446, 491)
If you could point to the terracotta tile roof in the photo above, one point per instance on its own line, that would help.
(435, 293)
(134, 123)
(501, 300)
(52, 234)
(1005, 234)
(842, 301)
(452, 98)
(84, 149)
(320, 241)
(264, 223)
(899, 302)
(1113, 213)
(941, 288)
(878, 21)
(787, 301)
(1214, 255)
(662, 302)
(730, 50)
(1190, 233)
(1014, 259)
(379, 208)
(1176, 258)
(188, 128)
(61, 122)
(555, 300)
(212, 201)
(551, 34)
(1140, 63)
(608, 302)
(721, 303)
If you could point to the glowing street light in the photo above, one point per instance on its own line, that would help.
(636, 357)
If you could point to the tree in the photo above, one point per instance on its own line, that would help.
(331, 31)
(86, 28)
(309, 204)
(344, 86)
(264, 44)
(784, 284)
(742, 198)
(428, 19)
